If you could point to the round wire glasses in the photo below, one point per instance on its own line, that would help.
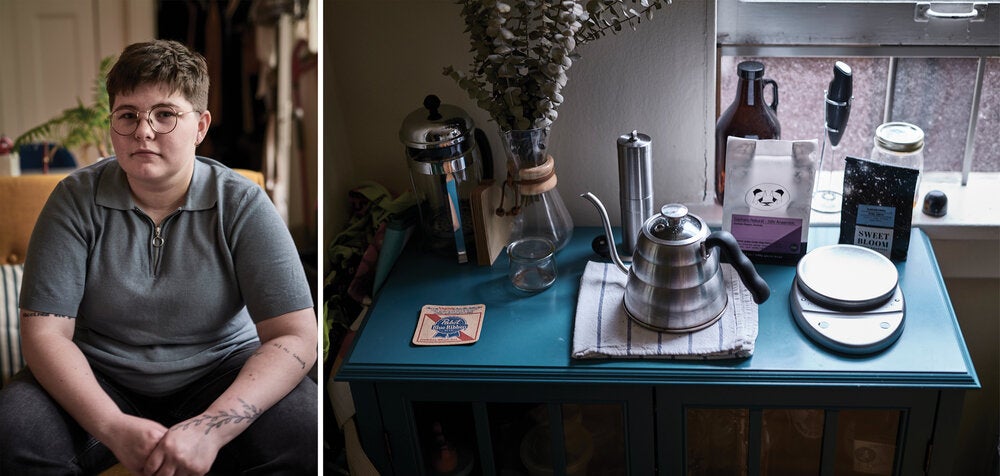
(162, 119)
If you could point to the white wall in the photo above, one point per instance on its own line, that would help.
(52, 50)
(382, 57)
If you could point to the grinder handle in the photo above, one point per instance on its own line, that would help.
(731, 253)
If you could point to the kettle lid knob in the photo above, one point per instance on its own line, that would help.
(674, 212)
(675, 225)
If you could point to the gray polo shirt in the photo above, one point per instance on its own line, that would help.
(156, 309)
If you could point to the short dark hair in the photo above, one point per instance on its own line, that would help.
(160, 62)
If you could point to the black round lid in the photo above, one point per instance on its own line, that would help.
(935, 204)
(750, 70)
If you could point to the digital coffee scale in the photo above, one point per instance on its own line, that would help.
(847, 298)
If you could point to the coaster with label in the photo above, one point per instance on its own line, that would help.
(449, 325)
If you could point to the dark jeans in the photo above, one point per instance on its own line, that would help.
(38, 437)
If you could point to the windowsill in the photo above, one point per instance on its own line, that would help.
(965, 239)
(973, 209)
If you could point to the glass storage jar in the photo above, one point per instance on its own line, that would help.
(900, 144)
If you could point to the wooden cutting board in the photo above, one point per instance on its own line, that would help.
(492, 231)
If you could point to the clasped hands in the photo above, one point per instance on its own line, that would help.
(148, 448)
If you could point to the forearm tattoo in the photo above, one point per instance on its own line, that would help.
(295, 356)
(302, 363)
(248, 414)
(40, 314)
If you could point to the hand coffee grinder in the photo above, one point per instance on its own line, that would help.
(446, 164)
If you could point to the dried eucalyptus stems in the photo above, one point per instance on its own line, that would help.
(523, 48)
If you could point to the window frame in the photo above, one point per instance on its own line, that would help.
(864, 28)
(865, 23)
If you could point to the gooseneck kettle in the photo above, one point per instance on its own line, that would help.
(675, 283)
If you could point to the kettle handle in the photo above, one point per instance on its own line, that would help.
(732, 254)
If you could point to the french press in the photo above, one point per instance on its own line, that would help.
(446, 164)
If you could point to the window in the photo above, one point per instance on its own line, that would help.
(936, 65)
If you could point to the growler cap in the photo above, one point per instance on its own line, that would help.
(435, 126)
(750, 70)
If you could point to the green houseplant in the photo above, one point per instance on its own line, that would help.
(522, 50)
(81, 126)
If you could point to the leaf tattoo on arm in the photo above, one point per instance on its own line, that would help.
(247, 414)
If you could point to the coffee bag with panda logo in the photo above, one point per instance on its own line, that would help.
(769, 187)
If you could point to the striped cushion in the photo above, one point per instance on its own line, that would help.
(10, 341)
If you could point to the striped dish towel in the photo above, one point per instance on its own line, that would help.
(603, 330)
(10, 340)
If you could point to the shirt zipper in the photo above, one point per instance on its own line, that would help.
(157, 241)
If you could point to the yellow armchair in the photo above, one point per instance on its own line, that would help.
(21, 200)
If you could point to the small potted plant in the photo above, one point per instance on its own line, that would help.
(81, 126)
(522, 50)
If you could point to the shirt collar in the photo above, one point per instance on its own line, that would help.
(113, 190)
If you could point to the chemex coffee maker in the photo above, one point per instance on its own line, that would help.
(446, 164)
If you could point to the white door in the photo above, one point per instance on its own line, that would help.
(50, 51)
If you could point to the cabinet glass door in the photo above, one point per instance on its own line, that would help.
(790, 441)
(520, 438)
(866, 442)
(716, 441)
(592, 440)
(446, 438)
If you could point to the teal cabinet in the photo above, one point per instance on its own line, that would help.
(506, 428)
(793, 407)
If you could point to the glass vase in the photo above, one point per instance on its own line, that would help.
(537, 208)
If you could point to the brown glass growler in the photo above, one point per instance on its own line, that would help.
(747, 117)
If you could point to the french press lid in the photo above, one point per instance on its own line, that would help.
(675, 225)
(437, 126)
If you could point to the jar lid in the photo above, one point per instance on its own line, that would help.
(846, 277)
(435, 126)
(899, 137)
(674, 224)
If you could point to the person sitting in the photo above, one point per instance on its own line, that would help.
(166, 320)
